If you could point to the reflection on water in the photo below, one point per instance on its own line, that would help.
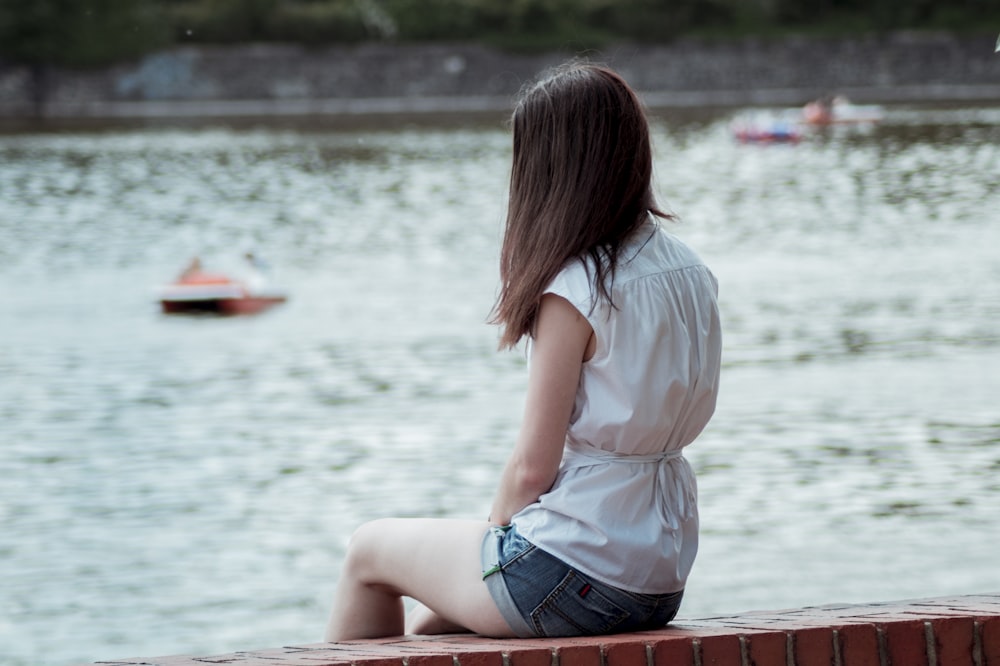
(188, 484)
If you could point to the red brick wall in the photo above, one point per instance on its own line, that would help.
(955, 631)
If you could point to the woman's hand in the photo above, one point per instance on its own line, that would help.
(563, 340)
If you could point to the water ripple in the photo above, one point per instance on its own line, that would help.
(189, 484)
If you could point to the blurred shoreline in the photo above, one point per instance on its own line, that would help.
(261, 80)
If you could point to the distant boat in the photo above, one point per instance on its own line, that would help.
(771, 134)
(766, 129)
(793, 125)
(840, 111)
(203, 292)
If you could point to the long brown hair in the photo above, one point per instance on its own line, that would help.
(580, 183)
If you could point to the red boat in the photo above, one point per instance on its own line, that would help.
(198, 291)
(766, 130)
(778, 133)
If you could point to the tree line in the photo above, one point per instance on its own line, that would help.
(83, 33)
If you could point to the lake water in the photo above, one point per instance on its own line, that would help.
(187, 485)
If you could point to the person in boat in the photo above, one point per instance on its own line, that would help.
(594, 526)
(257, 272)
(193, 268)
(820, 111)
(256, 262)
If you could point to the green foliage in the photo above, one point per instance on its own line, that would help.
(79, 34)
(302, 21)
(94, 32)
(318, 22)
(444, 19)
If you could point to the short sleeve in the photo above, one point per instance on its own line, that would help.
(574, 284)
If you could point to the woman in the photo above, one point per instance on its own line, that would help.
(594, 527)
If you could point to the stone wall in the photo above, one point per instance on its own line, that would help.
(959, 631)
(275, 79)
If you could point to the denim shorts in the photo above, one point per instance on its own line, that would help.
(540, 595)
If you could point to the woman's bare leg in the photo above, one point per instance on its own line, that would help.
(434, 561)
(422, 620)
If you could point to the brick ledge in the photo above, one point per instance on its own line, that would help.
(946, 631)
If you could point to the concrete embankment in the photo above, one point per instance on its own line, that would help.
(957, 631)
(254, 80)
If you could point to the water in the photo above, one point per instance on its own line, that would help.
(187, 485)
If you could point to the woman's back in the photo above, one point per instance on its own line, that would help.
(623, 507)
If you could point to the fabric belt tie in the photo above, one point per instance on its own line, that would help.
(676, 489)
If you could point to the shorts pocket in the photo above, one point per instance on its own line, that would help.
(576, 608)
(514, 547)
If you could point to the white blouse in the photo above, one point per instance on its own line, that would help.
(623, 507)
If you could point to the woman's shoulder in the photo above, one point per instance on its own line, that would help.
(573, 281)
(658, 250)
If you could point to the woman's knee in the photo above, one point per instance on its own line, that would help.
(365, 550)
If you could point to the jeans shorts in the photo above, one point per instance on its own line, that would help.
(540, 595)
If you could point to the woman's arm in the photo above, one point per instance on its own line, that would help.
(562, 341)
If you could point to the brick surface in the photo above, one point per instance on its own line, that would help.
(330, 658)
(530, 657)
(858, 645)
(989, 634)
(963, 630)
(672, 651)
(813, 646)
(582, 655)
(172, 660)
(906, 644)
(351, 651)
(321, 659)
(624, 653)
(430, 660)
(766, 648)
(721, 650)
(480, 658)
(953, 640)
(469, 650)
